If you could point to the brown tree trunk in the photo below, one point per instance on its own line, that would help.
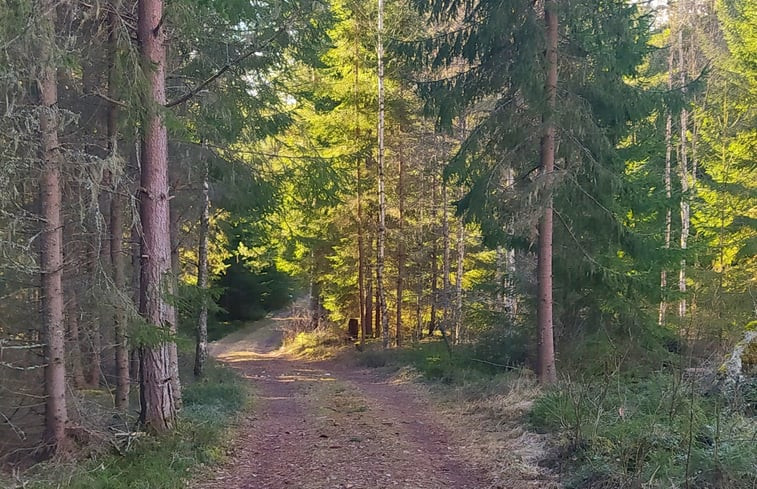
(359, 191)
(546, 360)
(74, 338)
(201, 349)
(446, 254)
(117, 232)
(157, 396)
(136, 253)
(368, 321)
(51, 238)
(377, 309)
(459, 280)
(123, 380)
(173, 284)
(400, 244)
(92, 322)
(434, 255)
(381, 293)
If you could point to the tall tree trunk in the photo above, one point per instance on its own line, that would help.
(546, 361)
(381, 194)
(117, 230)
(509, 296)
(377, 308)
(369, 331)
(157, 396)
(92, 321)
(499, 279)
(400, 243)
(201, 349)
(446, 254)
(668, 195)
(173, 284)
(418, 333)
(434, 254)
(459, 279)
(684, 171)
(135, 242)
(74, 338)
(51, 238)
(359, 191)
(121, 353)
(123, 380)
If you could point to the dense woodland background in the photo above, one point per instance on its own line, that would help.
(439, 220)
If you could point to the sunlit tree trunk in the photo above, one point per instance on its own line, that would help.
(359, 192)
(546, 360)
(509, 295)
(446, 266)
(684, 173)
(459, 280)
(668, 194)
(400, 243)
(51, 237)
(369, 331)
(434, 257)
(201, 348)
(157, 396)
(381, 193)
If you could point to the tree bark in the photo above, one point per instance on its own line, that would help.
(74, 338)
(400, 244)
(173, 284)
(51, 238)
(381, 193)
(157, 396)
(92, 321)
(546, 361)
(668, 195)
(359, 191)
(434, 253)
(446, 254)
(201, 349)
(684, 172)
(369, 331)
(459, 280)
(135, 242)
(117, 230)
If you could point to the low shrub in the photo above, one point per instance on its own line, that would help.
(160, 462)
(655, 432)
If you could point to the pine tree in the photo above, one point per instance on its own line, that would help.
(492, 63)
(157, 394)
(51, 262)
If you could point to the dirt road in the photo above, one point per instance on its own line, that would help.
(323, 425)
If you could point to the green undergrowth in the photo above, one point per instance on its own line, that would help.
(162, 462)
(611, 425)
(659, 431)
(433, 360)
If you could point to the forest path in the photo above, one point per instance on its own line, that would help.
(324, 425)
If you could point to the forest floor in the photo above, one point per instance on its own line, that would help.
(326, 424)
